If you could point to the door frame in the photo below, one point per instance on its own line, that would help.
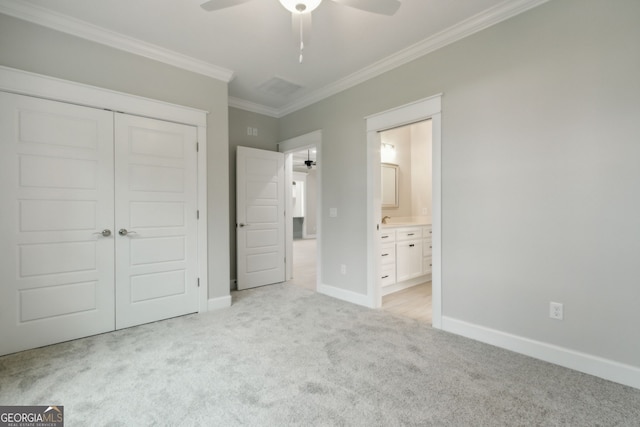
(40, 86)
(288, 147)
(424, 109)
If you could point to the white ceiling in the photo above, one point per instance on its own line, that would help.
(253, 42)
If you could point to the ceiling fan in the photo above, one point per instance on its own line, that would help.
(301, 10)
(309, 163)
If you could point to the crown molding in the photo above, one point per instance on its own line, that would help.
(472, 25)
(76, 27)
(59, 22)
(254, 107)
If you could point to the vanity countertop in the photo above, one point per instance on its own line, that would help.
(406, 224)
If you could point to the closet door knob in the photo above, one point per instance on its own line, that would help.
(125, 232)
(104, 233)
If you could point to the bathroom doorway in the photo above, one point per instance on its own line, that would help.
(406, 202)
(425, 109)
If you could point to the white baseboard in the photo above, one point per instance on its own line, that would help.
(342, 294)
(587, 363)
(219, 303)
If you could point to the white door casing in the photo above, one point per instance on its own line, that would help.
(156, 220)
(260, 225)
(56, 192)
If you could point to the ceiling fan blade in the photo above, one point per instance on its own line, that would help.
(220, 4)
(382, 7)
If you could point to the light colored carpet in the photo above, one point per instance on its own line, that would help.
(283, 355)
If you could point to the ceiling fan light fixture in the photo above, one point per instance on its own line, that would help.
(300, 6)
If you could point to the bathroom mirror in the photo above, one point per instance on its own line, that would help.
(389, 188)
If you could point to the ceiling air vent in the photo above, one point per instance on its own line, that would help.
(279, 87)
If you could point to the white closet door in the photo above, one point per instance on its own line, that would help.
(56, 195)
(156, 202)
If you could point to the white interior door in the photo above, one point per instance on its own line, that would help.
(260, 226)
(56, 192)
(156, 220)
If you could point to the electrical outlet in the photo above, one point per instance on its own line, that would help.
(249, 130)
(556, 310)
(333, 212)
(255, 131)
(343, 269)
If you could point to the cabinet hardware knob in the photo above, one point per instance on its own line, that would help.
(385, 254)
(410, 234)
(384, 277)
(411, 245)
(105, 233)
(385, 237)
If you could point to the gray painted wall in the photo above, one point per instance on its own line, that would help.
(40, 50)
(540, 176)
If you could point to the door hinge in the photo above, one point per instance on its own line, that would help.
(197, 147)
(198, 214)
(198, 282)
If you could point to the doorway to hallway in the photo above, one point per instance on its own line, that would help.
(304, 263)
(304, 206)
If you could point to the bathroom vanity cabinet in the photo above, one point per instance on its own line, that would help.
(405, 253)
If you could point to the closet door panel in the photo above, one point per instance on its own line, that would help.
(56, 196)
(156, 203)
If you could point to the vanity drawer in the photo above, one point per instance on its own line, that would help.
(409, 233)
(427, 265)
(388, 254)
(427, 247)
(388, 236)
(388, 275)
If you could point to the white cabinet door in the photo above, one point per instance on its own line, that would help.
(408, 259)
(56, 196)
(156, 228)
(259, 217)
